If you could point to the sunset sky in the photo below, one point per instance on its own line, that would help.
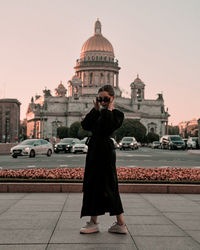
(157, 39)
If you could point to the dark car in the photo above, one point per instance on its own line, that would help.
(65, 145)
(155, 144)
(172, 142)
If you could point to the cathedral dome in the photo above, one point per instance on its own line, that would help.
(97, 43)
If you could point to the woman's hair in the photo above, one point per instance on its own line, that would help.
(107, 88)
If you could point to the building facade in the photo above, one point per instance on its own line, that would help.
(96, 67)
(9, 120)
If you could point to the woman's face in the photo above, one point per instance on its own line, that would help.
(105, 99)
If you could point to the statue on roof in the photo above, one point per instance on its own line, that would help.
(60, 90)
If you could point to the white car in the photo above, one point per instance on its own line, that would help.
(192, 142)
(31, 148)
(79, 147)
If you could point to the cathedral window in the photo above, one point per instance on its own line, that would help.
(152, 130)
(108, 78)
(162, 109)
(88, 58)
(105, 58)
(100, 58)
(97, 58)
(91, 75)
(139, 94)
(138, 106)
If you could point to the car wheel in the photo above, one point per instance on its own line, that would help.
(32, 154)
(14, 156)
(49, 152)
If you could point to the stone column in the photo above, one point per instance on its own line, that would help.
(117, 80)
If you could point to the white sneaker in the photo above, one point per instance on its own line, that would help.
(119, 229)
(90, 228)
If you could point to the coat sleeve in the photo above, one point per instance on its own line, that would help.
(109, 121)
(90, 119)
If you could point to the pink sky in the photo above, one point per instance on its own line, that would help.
(159, 40)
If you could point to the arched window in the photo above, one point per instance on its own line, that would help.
(91, 75)
(108, 78)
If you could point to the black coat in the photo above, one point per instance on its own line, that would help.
(100, 185)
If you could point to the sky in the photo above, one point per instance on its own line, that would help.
(157, 39)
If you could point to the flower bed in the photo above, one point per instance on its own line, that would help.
(125, 174)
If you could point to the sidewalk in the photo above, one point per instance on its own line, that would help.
(37, 221)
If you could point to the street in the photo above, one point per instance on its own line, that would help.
(143, 157)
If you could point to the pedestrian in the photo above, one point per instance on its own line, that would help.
(100, 184)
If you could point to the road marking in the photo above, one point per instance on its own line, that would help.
(33, 166)
(132, 155)
(63, 166)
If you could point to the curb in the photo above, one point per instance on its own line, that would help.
(77, 188)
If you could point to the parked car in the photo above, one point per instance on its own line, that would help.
(128, 143)
(31, 148)
(155, 144)
(172, 142)
(65, 145)
(79, 147)
(192, 143)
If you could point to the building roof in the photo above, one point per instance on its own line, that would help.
(9, 100)
(97, 42)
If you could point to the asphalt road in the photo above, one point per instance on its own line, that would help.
(143, 157)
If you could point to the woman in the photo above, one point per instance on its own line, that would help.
(100, 185)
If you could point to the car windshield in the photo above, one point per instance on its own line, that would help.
(80, 142)
(176, 138)
(28, 142)
(127, 139)
(68, 140)
(156, 142)
(194, 139)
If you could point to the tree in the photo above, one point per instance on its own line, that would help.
(131, 127)
(173, 130)
(62, 132)
(83, 133)
(152, 137)
(74, 128)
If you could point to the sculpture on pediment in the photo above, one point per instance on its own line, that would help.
(60, 90)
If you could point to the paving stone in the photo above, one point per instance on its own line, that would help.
(166, 243)
(146, 220)
(38, 205)
(91, 247)
(11, 236)
(23, 247)
(195, 235)
(155, 230)
(141, 211)
(73, 236)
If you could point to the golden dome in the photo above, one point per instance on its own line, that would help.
(97, 43)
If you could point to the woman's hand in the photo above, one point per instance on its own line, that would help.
(96, 104)
(111, 106)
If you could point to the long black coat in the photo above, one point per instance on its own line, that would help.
(100, 185)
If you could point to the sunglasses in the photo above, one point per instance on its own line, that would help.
(105, 99)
